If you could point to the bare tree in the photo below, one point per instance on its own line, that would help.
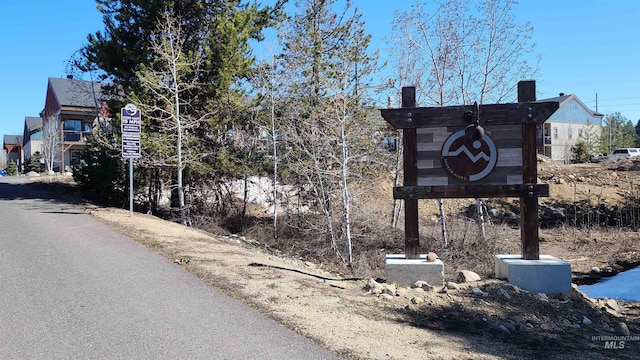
(171, 83)
(51, 142)
(463, 51)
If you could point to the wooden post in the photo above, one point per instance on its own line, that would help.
(410, 148)
(529, 234)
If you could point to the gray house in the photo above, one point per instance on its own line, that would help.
(571, 123)
(32, 136)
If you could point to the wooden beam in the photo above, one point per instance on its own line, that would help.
(471, 191)
(529, 229)
(496, 114)
(410, 172)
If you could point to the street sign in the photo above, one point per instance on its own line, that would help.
(131, 125)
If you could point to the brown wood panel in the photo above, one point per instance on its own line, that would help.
(496, 114)
(525, 191)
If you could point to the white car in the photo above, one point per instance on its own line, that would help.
(625, 153)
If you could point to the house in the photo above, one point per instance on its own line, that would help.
(12, 146)
(572, 122)
(72, 109)
(32, 136)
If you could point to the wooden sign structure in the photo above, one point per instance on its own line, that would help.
(472, 151)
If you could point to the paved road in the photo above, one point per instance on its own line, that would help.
(70, 288)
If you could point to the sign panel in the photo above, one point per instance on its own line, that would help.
(131, 125)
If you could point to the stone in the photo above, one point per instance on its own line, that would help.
(422, 285)
(586, 321)
(543, 297)
(504, 293)
(613, 305)
(402, 292)
(452, 286)
(494, 213)
(385, 297)
(503, 329)
(467, 276)
(373, 284)
(622, 329)
(476, 291)
(432, 257)
(417, 300)
(389, 289)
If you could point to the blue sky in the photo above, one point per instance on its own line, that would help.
(587, 47)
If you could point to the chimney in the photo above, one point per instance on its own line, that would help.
(561, 94)
(69, 76)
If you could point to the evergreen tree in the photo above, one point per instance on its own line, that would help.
(216, 31)
(327, 121)
(617, 132)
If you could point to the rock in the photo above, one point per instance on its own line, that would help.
(476, 291)
(432, 257)
(572, 177)
(417, 300)
(511, 287)
(543, 297)
(586, 321)
(613, 305)
(443, 290)
(422, 285)
(32, 173)
(309, 264)
(385, 297)
(401, 292)
(622, 329)
(503, 329)
(522, 328)
(502, 292)
(494, 213)
(372, 284)
(581, 179)
(389, 289)
(452, 286)
(376, 291)
(467, 276)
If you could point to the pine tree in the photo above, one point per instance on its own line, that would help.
(216, 31)
(327, 122)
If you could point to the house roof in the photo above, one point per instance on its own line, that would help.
(11, 141)
(564, 99)
(80, 93)
(32, 122)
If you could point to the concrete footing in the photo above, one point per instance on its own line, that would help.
(548, 275)
(405, 272)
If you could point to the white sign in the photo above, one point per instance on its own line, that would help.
(131, 125)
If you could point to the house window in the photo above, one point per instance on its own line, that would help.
(580, 133)
(570, 133)
(73, 129)
(555, 133)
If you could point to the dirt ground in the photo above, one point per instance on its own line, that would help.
(367, 319)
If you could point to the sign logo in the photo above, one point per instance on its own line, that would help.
(469, 159)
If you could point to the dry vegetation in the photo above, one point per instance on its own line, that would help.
(302, 284)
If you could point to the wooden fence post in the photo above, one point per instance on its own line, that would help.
(410, 148)
(529, 233)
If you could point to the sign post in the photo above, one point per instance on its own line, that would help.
(131, 125)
